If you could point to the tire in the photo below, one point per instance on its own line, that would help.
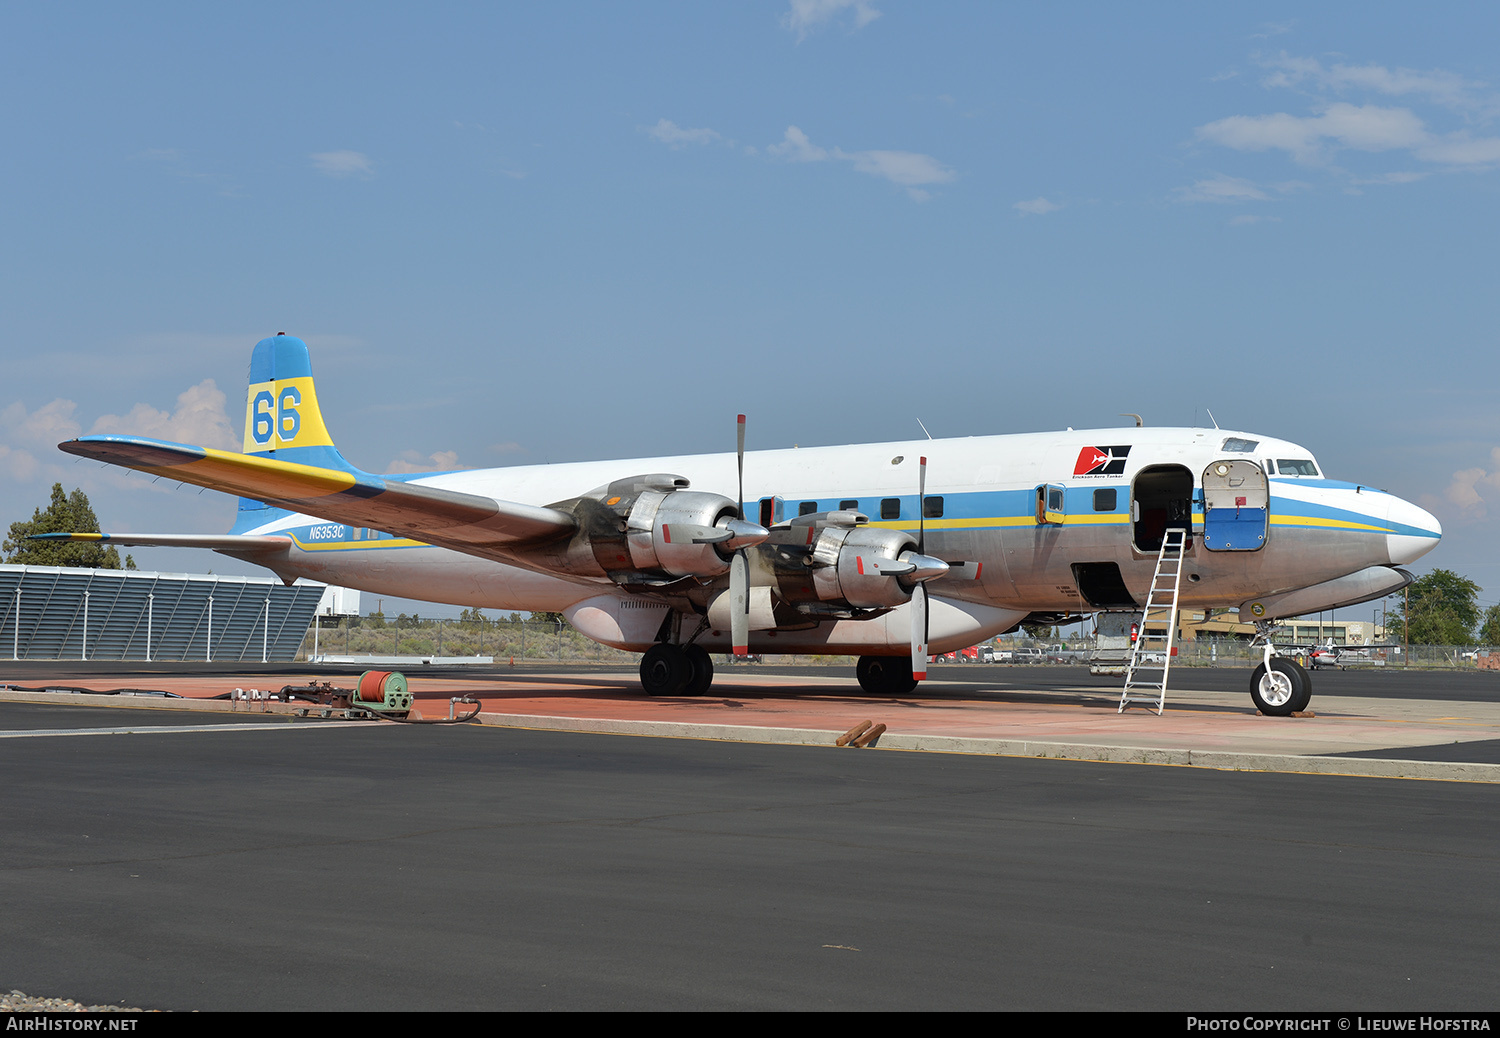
(703, 670)
(1305, 696)
(885, 675)
(1285, 690)
(665, 670)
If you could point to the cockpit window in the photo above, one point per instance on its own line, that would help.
(1296, 467)
(1240, 445)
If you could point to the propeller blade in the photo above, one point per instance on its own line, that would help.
(689, 533)
(922, 506)
(879, 565)
(739, 604)
(740, 453)
(743, 535)
(919, 632)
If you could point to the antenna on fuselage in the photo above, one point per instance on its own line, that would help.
(924, 428)
(1211, 418)
(1138, 422)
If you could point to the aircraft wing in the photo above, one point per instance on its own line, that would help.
(465, 522)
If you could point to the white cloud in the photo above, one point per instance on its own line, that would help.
(1037, 207)
(1312, 140)
(1309, 139)
(411, 461)
(909, 169)
(1467, 490)
(48, 425)
(1444, 88)
(795, 147)
(29, 439)
(1337, 125)
(1222, 189)
(343, 164)
(201, 419)
(674, 136)
(1459, 149)
(806, 16)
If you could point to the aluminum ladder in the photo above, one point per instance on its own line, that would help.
(1150, 688)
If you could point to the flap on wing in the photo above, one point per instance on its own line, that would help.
(467, 522)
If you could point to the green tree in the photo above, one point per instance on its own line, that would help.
(1489, 634)
(67, 513)
(1442, 609)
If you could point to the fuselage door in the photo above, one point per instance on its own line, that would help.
(1050, 508)
(1236, 506)
(772, 511)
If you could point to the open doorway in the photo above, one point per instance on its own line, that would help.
(1161, 499)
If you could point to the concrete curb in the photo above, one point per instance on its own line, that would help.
(1365, 767)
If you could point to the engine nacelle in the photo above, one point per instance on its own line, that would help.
(651, 531)
(654, 546)
(852, 565)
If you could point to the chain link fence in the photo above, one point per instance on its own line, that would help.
(549, 640)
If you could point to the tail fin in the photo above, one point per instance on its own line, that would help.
(282, 419)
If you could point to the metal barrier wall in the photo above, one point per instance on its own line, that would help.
(56, 613)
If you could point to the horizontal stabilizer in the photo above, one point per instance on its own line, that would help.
(466, 522)
(242, 543)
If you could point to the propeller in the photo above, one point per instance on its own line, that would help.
(919, 589)
(739, 566)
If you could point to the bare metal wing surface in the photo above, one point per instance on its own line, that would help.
(465, 522)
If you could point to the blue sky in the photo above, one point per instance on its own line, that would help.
(527, 233)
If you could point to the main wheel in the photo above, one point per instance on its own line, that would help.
(665, 670)
(885, 675)
(703, 670)
(1283, 690)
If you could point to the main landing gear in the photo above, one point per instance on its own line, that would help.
(885, 675)
(676, 670)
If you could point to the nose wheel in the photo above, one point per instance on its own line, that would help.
(1280, 688)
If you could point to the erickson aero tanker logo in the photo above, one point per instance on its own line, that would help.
(1101, 461)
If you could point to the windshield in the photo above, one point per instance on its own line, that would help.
(1296, 467)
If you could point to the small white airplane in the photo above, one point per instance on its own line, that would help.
(834, 553)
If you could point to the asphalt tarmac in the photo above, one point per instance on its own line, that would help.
(307, 864)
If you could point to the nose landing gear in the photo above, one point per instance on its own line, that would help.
(1279, 687)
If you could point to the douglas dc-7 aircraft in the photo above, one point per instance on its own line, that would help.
(833, 552)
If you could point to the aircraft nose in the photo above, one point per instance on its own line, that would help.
(1415, 532)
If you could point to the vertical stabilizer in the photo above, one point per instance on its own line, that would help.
(282, 419)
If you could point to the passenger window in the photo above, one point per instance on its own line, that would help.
(890, 508)
(807, 508)
(1104, 500)
(849, 506)
(932, 508)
